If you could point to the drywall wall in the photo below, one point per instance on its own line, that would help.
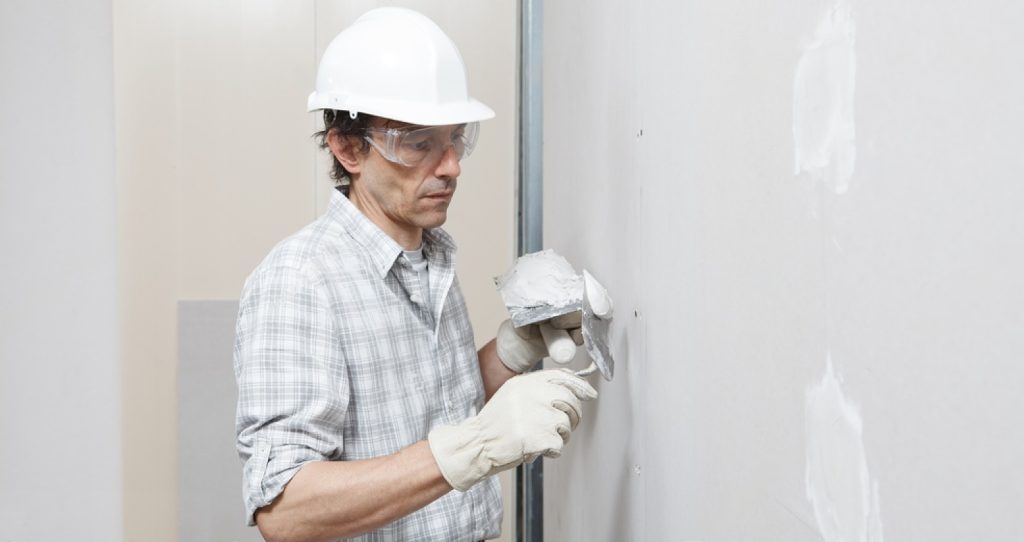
(209, 507)
(60, 437)
(808, 213)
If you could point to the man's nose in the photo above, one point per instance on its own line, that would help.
(449, 165)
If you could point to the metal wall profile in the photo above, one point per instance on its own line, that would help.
(530, 226)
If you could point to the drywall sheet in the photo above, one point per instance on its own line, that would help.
(209, 472)
(809, 216)
(60, 430)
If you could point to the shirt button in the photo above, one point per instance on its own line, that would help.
(414, 298)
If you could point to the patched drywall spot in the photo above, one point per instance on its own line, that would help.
(838, 484)
(823, 89)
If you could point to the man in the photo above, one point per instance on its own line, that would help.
(361, 396)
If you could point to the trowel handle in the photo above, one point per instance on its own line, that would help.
(561, 347)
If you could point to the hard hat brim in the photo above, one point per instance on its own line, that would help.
(443, 114)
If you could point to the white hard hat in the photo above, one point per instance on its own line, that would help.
(397, 64)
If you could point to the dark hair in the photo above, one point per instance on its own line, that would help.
(343, 124)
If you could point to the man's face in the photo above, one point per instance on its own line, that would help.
(407, 198)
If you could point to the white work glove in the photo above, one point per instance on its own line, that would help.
(529, 416)
(520, 348)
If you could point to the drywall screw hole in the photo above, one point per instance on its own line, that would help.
(636, 470)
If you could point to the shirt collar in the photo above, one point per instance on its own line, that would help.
(381, 248)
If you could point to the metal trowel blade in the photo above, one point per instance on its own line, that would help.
(523, 316)
(595, 332)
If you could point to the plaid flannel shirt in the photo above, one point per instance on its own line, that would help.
(337, 357)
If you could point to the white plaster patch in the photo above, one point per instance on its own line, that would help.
(838, 484)
(823, 90)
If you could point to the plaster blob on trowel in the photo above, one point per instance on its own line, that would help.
(543, 285)
(540, 286)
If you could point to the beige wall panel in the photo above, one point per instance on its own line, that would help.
(213, 169)
(148, 259)
(245, 159)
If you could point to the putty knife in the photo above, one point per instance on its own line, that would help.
(595, 328)
(543, 285)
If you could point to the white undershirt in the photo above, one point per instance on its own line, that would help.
(419, 264)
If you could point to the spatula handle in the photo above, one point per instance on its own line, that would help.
(561, 347)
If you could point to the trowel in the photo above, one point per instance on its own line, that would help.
(542, 286)
(596, 320)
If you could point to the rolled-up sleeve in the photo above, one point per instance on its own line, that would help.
(292, 381)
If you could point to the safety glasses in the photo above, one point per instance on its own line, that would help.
(414, 146)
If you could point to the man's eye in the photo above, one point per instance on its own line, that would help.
(418, 145)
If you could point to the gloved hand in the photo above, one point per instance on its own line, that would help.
(521, 348)
(530, 415)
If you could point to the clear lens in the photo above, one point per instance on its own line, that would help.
(412, 147)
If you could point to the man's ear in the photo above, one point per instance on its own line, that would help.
(346, 149)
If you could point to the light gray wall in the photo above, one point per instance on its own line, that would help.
(767, 186)
(60, 438)
(209, 472)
